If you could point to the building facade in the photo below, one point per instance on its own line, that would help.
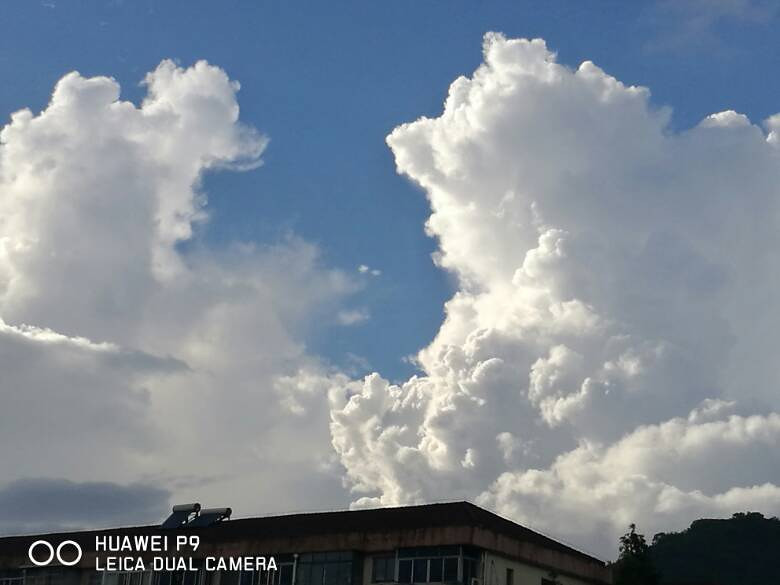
(438, 544)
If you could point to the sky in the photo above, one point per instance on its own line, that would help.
(286, 256)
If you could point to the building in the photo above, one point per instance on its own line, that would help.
(450, 543)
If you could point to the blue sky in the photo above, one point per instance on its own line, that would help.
(328, 81)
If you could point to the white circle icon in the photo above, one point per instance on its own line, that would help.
(32, 548)
(53, 553)
(59, 553)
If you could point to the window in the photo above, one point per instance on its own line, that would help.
(281, 576)
(333, 568)
(48, 576)
(436, 564)
(190, 578)
(226, 578)
(128, 578)
(420, 573)
(12, 577)
(163, 578)
(469, 570)
(405, 571)
(383, 569)
(450, 569)
(510, 577)
(285, 574)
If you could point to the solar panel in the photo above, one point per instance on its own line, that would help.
(180, 515)
(209, 516)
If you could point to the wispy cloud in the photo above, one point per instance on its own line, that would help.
(700, 24)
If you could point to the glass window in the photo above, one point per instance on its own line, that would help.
(469, 570)
(285, 574)
(435, 570)
(331, 568)
(405, 571)
(303, 574)
(345, 573)
(336, 573)
(436, 564)
(383, 569)
(330, 574)
(316, 574)
(420, 571)
(450, 570)
(226, 578)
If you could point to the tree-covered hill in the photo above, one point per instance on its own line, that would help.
(744, 549)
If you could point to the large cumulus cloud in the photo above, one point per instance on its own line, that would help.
(126, 356)
(616, 318)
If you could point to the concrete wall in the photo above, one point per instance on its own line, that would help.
(531, 554)
(495, 566)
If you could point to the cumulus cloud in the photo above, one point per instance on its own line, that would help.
(659, 476)
(97, 193)
(124, 354)
(608, 356)
(615, 319)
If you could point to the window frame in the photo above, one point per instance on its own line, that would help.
(389, 563)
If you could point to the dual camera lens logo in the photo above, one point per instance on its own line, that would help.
(41, 559)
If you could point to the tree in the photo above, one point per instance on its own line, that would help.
(634, 565)
(741, 550)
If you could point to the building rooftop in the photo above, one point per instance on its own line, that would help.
(369, 530)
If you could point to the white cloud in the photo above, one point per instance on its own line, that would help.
(352, 316)
(659, 476)
(365, 269)
(614, 277)
(610, 346)
(686, 24)
(73, 390)
(125, 357)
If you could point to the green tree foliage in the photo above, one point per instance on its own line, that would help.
(738, 551)
(634, 565)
